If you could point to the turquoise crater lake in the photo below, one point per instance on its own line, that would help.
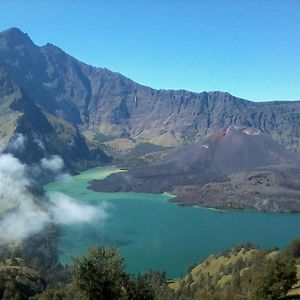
(153, 233)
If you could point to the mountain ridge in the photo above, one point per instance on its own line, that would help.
(25, 36)
(107, 106)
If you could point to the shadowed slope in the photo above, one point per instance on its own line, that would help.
(42, 134)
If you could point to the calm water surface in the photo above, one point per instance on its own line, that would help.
(153, 233)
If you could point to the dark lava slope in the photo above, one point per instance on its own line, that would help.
(231, 169)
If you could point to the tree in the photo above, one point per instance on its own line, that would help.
(275, 278)
(293, 249)
(139, 289)
(100, 274)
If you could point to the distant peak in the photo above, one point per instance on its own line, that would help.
(15, 35)
(232, 130)
(52, 47)
(14, 30)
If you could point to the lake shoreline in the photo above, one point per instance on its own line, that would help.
(189, 195)
(147, 227)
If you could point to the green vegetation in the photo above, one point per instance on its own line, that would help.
(293, 249)
(140, 161)
(17, 281)
(143, 154)
(243, 273)
(100, 275)
(144, 148)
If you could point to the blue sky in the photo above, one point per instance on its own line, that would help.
(248, 48)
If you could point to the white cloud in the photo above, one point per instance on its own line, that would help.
(40, 144)
(66, 210)
(54, 164)
(48, 168)
(21, 212)
(20, 215)
(17, 143)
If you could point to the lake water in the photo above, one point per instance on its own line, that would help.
(153, 233)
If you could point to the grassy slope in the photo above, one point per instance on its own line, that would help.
(295, 291)
(219, 267)
(8, 117)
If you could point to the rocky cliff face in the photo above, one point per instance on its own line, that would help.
(106, 106)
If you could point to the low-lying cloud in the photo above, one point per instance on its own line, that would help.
(17, 143)
(20, 215)
(67, 211)
(54, 164)
(51, 167)
(23, 214)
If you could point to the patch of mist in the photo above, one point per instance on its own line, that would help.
(20, 215)
(64, 177)
(40, 144)
(17, 143)
(53, 164)
(23, 212)
(66, 210)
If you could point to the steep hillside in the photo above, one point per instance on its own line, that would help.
(8, 117)
(107, 106)
(244, 272)
(30, 133)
